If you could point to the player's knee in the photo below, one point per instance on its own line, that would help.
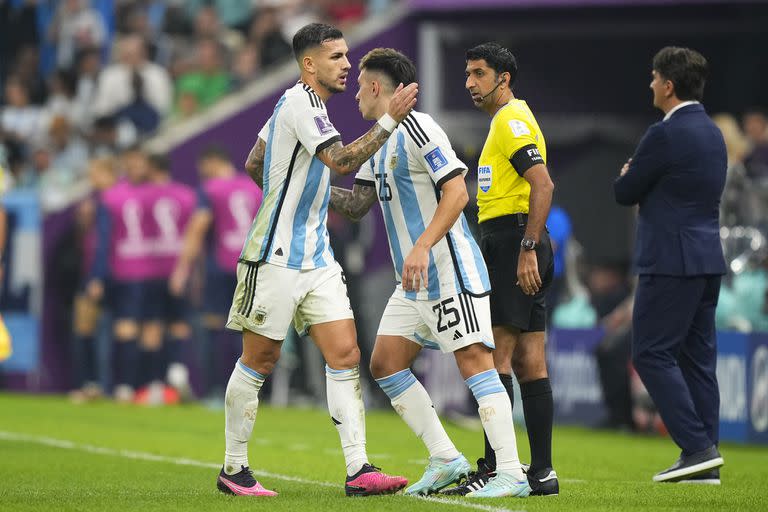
(502, 362)
(126, 330)
(344, 357)
(152, 336)
(380, 368)
(262, 360)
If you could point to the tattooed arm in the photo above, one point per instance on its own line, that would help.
(355, 203)
(254, 164)
(346, 159)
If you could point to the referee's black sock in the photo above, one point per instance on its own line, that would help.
(490, 455)
(538, 408)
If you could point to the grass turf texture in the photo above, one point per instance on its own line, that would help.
(597, 470)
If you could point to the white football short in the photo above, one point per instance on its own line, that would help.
(449, 323)
(268, 297)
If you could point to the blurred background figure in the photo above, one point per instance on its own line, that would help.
(227, 202)
(87, 382)
(134, 88)
(560, 231)
(76, 26)
(755, 123)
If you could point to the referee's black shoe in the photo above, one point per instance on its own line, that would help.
(544, 483)
(474, 482)
(691, 465)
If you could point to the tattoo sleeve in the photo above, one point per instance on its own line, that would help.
(254, 164)
(346, 159)
(355, 203)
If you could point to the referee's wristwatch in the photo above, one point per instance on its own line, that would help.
(528, 244)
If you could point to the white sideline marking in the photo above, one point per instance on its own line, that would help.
(129, 454)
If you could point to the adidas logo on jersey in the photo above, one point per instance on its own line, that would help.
(279, 251)
(456, 335)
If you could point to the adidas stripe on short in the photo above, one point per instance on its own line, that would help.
(447, 324)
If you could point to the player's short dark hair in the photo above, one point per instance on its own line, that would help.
(685, 68)
(312, 35)
(497, 57)
(393, 64)
(215, 152)
(159, 162)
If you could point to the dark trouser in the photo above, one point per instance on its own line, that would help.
(613, 354)
(674, 350)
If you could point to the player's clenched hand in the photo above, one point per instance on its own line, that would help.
(415, 269)
(528, 277)
(403, 101)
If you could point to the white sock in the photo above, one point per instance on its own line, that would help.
(345, 403)
(412, 403)
(495, 412)
(240, 405)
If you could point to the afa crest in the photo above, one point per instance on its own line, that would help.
(392, 162)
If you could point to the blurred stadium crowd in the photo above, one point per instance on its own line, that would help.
(86, 82)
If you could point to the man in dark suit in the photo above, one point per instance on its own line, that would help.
(677, 176)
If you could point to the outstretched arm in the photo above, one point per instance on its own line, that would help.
(355, 203)
(254, 164)
(346, 159)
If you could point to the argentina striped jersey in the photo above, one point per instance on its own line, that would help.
(290, 229)
(408, 172)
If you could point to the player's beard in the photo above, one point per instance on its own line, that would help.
(332, 88)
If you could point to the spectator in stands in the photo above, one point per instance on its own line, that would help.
(70, 153)
(110, 137)
(88, 65)
(116, 87)
(343, 13)
(209, 81)
(39, 164)
(19, 120)
(267, 36)
(18, 29)
(740, 205)
(246, 66)
(26, 69)
(76, 25)
(755, 124)
(232, 13)
(141, 20)
(61, 97)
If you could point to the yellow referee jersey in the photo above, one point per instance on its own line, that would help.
(514, 143)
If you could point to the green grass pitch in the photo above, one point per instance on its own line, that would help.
(57, 456)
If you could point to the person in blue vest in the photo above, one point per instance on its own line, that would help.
(677, 175)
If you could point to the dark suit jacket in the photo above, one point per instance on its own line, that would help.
(677, 175)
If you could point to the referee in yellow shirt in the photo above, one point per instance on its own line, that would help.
(514, 195)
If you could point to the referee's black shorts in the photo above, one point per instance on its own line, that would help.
(500, 243)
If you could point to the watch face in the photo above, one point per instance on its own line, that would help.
(528, 244)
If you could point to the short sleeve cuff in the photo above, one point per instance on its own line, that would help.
(364, 183)
(326, 143)
(449, 176)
